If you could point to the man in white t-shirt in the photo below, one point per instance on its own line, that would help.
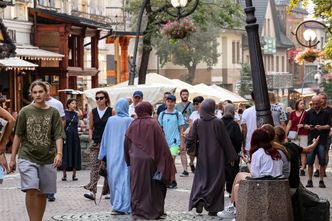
(278, 113)
(50, 101)
(137, 98)
(248, 125)
(194, 116)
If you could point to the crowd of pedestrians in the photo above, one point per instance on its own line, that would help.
(135, 148)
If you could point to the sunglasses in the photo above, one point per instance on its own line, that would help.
(196, 103)
(99, 98)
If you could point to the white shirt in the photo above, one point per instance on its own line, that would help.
(101, 112)
(219, 114)
(249, 119)
(194, 116)
(57, 105)
(131, 111)
(262, 165)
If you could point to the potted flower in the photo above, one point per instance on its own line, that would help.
(178, 29)
(309, 55)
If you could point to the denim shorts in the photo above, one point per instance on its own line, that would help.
(320, 151)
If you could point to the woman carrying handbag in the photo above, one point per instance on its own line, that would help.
(296, 133)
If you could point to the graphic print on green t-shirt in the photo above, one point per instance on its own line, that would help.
(38, 129)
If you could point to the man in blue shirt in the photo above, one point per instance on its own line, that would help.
(163, 107)
(172, 123)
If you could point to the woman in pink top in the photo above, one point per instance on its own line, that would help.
(295, 123)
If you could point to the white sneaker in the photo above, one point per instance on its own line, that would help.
(228, 213)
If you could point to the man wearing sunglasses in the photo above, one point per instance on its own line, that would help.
(137, 98)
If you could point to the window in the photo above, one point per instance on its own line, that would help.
(265, 63)
(12, 34)
(322, 43)
(268, 27)
(272, 63)
(283, 63)
(277, 63)
(52, 3)
(238, 52)
(265, 27)
(233, 52)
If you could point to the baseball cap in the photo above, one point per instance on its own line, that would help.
(138, 94)
(171, 97)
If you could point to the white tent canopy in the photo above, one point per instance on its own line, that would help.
(227, 95)
(153, 79)
(152, 93)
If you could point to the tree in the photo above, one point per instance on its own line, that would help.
(246, 80)
(201, 46)
(212, 13)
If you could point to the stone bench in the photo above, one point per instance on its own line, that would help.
(85, 153)
(267, 200)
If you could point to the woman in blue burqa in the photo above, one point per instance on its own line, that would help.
(112, 146)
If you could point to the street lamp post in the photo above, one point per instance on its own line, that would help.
(309, 35)
(178, 4)
(311, 41)
(262, 104)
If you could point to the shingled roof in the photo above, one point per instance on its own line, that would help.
(282, 41)
(46, 15)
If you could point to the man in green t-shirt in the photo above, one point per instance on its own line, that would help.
(37, 128)
(186, 108)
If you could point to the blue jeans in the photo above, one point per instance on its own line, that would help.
(320, 150)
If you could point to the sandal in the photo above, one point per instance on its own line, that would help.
(64, 178)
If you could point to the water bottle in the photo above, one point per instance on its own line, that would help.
(2, 174)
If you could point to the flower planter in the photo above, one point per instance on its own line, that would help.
(308, 55)
(178, 29)
(311, 59)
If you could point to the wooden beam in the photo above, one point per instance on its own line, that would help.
(94, 58)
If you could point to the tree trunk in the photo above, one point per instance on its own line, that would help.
(191, 74)
(147, 48)
(144, 59)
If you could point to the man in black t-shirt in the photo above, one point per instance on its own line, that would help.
(295, 152)
(318, 122)
(327, 108)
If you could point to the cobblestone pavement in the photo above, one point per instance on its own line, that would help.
(71, 205)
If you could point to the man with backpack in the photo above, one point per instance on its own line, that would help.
(172, 123)
(186, 108)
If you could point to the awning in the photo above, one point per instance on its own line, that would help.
(11, 63)
(305, 92)
(78, 71)
(71, 91)
(35, 53)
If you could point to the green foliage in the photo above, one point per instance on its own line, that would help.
(201, 46)
(327, 85)
(246, 80)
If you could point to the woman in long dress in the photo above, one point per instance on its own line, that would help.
(215, 149)
(151, 164)
(72, 146)
(112, 146)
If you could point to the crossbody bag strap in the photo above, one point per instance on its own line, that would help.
(186, 107)
(70, 122)
(300, 121)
